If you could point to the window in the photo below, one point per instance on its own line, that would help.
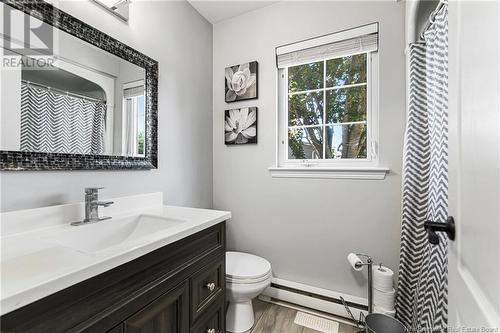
(328, 101)
(138, 102)
(134, 121)
(327, 109)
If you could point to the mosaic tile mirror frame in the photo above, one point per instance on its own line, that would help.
(119, 131)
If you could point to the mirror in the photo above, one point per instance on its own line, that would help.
(74, 97)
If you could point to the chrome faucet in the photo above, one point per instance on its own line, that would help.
(92, 204)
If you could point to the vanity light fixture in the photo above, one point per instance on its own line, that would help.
(119, 8)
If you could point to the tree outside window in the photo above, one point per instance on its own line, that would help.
(327, 109)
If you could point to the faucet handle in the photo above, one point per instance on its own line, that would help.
(92, 190)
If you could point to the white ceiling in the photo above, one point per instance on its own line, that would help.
(216, 11)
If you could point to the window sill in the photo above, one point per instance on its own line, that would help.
(373, 173)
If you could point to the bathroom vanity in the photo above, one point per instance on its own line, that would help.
(151, 268)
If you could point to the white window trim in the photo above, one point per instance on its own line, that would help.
(329, 169)
(369, 173)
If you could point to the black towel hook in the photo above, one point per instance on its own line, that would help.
(432, 227)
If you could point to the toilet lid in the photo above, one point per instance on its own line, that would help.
(241, 265)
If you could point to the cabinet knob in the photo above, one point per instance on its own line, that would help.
(210, 286)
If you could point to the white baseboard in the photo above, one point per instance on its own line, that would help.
(312, 302)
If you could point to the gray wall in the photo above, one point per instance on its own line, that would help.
(173, 33)
(306, 227)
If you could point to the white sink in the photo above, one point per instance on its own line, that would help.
(99, 236)
(41, 253)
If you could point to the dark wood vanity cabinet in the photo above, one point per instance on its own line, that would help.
(169, 313)
(179, 288)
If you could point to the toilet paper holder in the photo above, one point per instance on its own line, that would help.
(358, 260)
(368, 262)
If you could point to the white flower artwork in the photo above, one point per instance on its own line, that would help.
(241, 82)
(240, 126)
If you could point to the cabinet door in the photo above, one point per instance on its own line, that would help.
(213, 320)
(167, 314)
(117, 329)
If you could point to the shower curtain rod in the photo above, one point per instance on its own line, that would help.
(63, 92)
(430, 20)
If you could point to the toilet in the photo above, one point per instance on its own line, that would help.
(247, 276)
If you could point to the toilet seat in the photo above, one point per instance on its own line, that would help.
(246, 268)
(248, 281)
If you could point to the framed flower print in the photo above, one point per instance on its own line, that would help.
(241, 82)
(240, 126)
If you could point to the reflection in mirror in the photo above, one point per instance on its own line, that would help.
(134, 122)
(88, 101)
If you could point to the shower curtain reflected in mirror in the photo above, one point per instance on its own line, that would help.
(54, 122)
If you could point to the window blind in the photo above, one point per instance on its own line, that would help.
(354, 41)
(133, 92)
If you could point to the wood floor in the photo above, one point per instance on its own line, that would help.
(272, 318)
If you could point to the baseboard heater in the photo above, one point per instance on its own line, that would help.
(317, 299)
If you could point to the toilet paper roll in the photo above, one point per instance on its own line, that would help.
(355, 262)
(383, 278)
(385, 286)
(384, 300)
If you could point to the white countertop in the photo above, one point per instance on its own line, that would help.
(33, 268)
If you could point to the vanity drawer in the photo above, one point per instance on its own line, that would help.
(212, 321)
(207, 285)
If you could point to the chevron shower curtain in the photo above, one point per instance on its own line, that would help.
(58, 123)
(422, 287)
